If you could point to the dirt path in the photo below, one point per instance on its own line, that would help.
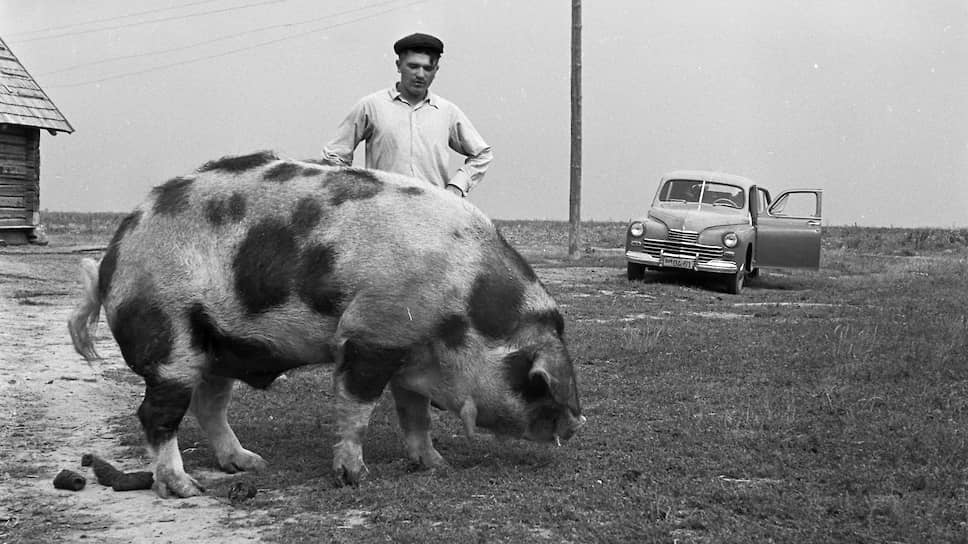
(54, 407)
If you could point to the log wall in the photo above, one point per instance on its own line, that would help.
(19, 175)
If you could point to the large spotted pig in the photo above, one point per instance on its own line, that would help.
(254, 265)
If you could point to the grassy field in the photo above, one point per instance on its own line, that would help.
(818, 406)
(551, 237)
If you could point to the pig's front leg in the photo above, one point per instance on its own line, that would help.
(352, 417)
(413, 410)
(362, 373)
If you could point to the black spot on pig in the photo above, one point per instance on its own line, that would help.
(263, 265)
(366, 369)
(236, 207)
(306, 216)
(110, 260)
(172, 196)
(215, 211)
(317, 286)
(312, 171)
(240, 163)
(412, 191)
(163, 408)
(144, 333)
(495, 304)
(106, 271)
(221, 210)
(453, 331)
(253, 361)
(549, 319)
(283, 171)
(351, 184)
(517, 366)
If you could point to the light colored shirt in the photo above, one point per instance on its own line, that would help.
(412, 140)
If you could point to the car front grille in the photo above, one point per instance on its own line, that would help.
(684, 236)
(682, 242)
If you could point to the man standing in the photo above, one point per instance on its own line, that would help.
(408, 129)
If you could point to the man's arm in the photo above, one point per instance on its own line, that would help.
(465, 140)
(349, 134)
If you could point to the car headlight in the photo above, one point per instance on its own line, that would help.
(730, 239)
(636, 229)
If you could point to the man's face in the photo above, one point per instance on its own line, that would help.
(417, 71)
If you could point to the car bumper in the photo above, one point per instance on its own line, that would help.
(716, 266)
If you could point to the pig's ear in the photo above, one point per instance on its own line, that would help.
(557, 378)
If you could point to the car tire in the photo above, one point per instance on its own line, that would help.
(734, 282)
(635, 271)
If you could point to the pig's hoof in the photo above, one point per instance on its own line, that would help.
(170, 484)
(345, 476)
(428, 469)
(429, 460)
(348, 467)
(242, 461)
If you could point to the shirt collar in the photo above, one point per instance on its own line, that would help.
(394, 94)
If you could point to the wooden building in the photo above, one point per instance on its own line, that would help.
(25, 110)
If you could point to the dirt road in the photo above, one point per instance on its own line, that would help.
(54, 407)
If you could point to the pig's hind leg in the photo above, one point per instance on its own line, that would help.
(155, 350)
(168, 395)
(210, 406)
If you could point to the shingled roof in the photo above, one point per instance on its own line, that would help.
(22, 101)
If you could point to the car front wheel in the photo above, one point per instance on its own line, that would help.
(734, 282)
(636, 271)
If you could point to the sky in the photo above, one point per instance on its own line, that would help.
(867, 99)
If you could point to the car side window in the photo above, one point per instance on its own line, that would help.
(796, 205)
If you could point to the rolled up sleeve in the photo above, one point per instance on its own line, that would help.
(465, 140)
(349, 134)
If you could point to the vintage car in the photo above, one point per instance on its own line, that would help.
(725, 225)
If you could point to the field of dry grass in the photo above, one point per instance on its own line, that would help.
(818, 406)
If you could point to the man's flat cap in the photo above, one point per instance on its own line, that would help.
(419, 41)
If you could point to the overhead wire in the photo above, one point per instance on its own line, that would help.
(148, 22)
(211, 41)
(108, 19)
(232, 51)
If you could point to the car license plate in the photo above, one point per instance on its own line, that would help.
(679, 262)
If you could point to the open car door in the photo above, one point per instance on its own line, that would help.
(788, 234)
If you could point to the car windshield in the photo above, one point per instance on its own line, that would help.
(709, 192)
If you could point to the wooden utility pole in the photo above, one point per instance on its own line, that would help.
(574, 201)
